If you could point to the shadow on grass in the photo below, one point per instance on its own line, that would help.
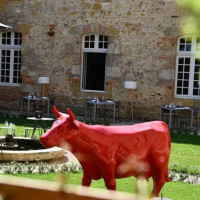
(185, 138)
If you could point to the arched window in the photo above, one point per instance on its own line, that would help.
(10, 58)
(94, 53)
(187, 83)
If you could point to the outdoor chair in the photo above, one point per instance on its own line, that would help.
(28, 130)
(184, 118)
(195, 116)
(110, 109)
(52, 101)
(90, 110)
(166, 115)
(25, 106)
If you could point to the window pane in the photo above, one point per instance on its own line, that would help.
(101, 38)
(179, 91)
(15, 60)
(16, 53)
(8, 41)
(187, 68)
(86, 38)
(8, 34)
(189, 40)
(182, 48)
(182, 40)
(101, 45)
(186, 76)
(195, 92)
(196, 84)
(196, 76)
(86, 44)
(185, 91)
(180, 68)
(179, 83)
(92, 37)
(181, 60)
(180, 75)
(196, 69)
(105, 45)
(187, 60)
(197, 61)
(92, 45)
(188, 47)
(185, 83)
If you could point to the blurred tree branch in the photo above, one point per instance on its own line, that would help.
(191, 23)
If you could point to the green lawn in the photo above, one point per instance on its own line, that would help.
(185, 153)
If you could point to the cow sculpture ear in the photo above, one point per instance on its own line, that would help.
(57, 114)
(72, 118)
(71, 114)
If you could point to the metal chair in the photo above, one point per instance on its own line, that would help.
(195, 116)
(28, 130)
(24, 105)
(90, 110)
(166, 114)
(184, 118)
(117, 110)
(52, 101)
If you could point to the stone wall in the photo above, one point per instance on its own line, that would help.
(142, 48)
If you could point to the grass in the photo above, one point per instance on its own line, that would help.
(185, 154)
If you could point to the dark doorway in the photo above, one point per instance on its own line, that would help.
(94, 71)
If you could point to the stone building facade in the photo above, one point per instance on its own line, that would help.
(142, 47)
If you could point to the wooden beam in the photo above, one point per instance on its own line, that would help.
(12, 188)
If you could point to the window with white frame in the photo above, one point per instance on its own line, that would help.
(10, 58)
(187, 83)
(94, 53)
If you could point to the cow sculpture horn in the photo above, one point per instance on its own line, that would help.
(56, 112)
(71, 114)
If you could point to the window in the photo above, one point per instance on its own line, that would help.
(10, 58)
(95, 49)
(187, 83)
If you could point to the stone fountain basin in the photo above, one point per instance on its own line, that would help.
(36, 152)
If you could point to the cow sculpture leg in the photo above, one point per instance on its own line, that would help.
(160, 174)
(86, 181)
(109, 175)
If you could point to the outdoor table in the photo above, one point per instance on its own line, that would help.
(97, 102)
(172, 109)
(34, 99)
(37, 121)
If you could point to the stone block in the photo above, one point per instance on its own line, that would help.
(25, 28)
(97, 6)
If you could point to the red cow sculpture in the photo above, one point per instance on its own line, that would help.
(104, 151)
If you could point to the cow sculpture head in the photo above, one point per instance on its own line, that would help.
(64, 128)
